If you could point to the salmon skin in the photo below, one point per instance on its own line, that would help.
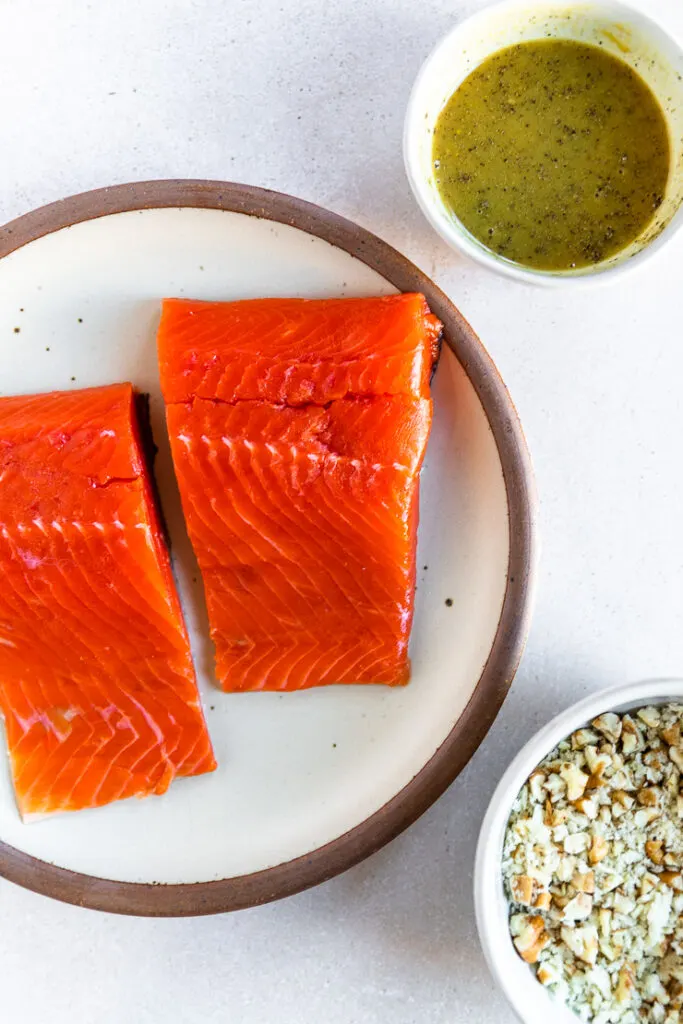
(298, 429)
(97, 686)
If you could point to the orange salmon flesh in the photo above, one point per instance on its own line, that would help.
(97, 686)
(298, 429)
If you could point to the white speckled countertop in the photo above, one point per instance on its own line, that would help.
(308, 98)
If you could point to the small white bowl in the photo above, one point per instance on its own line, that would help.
(620, 30)
(532, 1003)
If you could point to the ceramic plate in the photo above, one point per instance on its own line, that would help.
(308, 783)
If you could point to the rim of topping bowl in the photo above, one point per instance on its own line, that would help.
(533, 1003)
(620, 30)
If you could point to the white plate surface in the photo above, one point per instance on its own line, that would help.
(295, 770)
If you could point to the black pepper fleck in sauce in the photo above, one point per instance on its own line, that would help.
(553, 153)
(449, 602)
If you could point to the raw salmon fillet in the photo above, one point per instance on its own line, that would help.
(97, 686)
(298, 429)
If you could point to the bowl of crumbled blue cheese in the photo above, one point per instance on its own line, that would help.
(579, 869)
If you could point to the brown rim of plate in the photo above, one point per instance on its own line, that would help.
(179, 900)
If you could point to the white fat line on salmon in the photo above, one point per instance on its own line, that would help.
(295, 452)
(43, 527)
(145, 527)
(107, 433)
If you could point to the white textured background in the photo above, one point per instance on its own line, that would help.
(308, 97)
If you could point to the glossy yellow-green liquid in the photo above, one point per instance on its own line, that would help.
(553, 153)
